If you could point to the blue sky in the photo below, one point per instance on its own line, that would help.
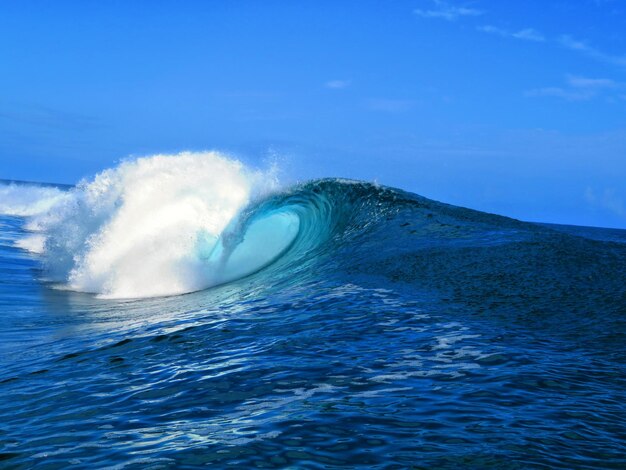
(517, 108)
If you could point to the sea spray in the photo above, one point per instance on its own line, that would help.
(22, 199)
(143, 228)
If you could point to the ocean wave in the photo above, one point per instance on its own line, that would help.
(173, 224)
(346, 309)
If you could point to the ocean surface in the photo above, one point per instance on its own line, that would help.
(186, 311)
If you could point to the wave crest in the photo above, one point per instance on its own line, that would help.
(143, 229)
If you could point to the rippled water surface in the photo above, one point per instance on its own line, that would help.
(395, 332)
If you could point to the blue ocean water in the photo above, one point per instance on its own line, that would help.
(376, 329)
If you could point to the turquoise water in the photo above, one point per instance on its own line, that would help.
(376, 329)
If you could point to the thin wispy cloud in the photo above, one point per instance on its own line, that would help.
(446, 11)
(561, 92)
(578, 88)
(337, 84)
(527, 34)
(441, 9)
(582, 47)
(591, 83)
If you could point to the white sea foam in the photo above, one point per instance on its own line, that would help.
(150, 227)
(28, 199)
(34, 243)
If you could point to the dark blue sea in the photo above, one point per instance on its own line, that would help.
(328, 324)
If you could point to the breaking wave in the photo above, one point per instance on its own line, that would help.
(173, 224)
(150, 226)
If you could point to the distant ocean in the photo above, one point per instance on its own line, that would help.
(187, 311)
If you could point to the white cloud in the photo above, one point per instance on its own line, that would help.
(584, 48)
(337, 84)
(493, 30)
(565, 93)
(578, 88)
(595, 83)
(445, 11)
(527, 34)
